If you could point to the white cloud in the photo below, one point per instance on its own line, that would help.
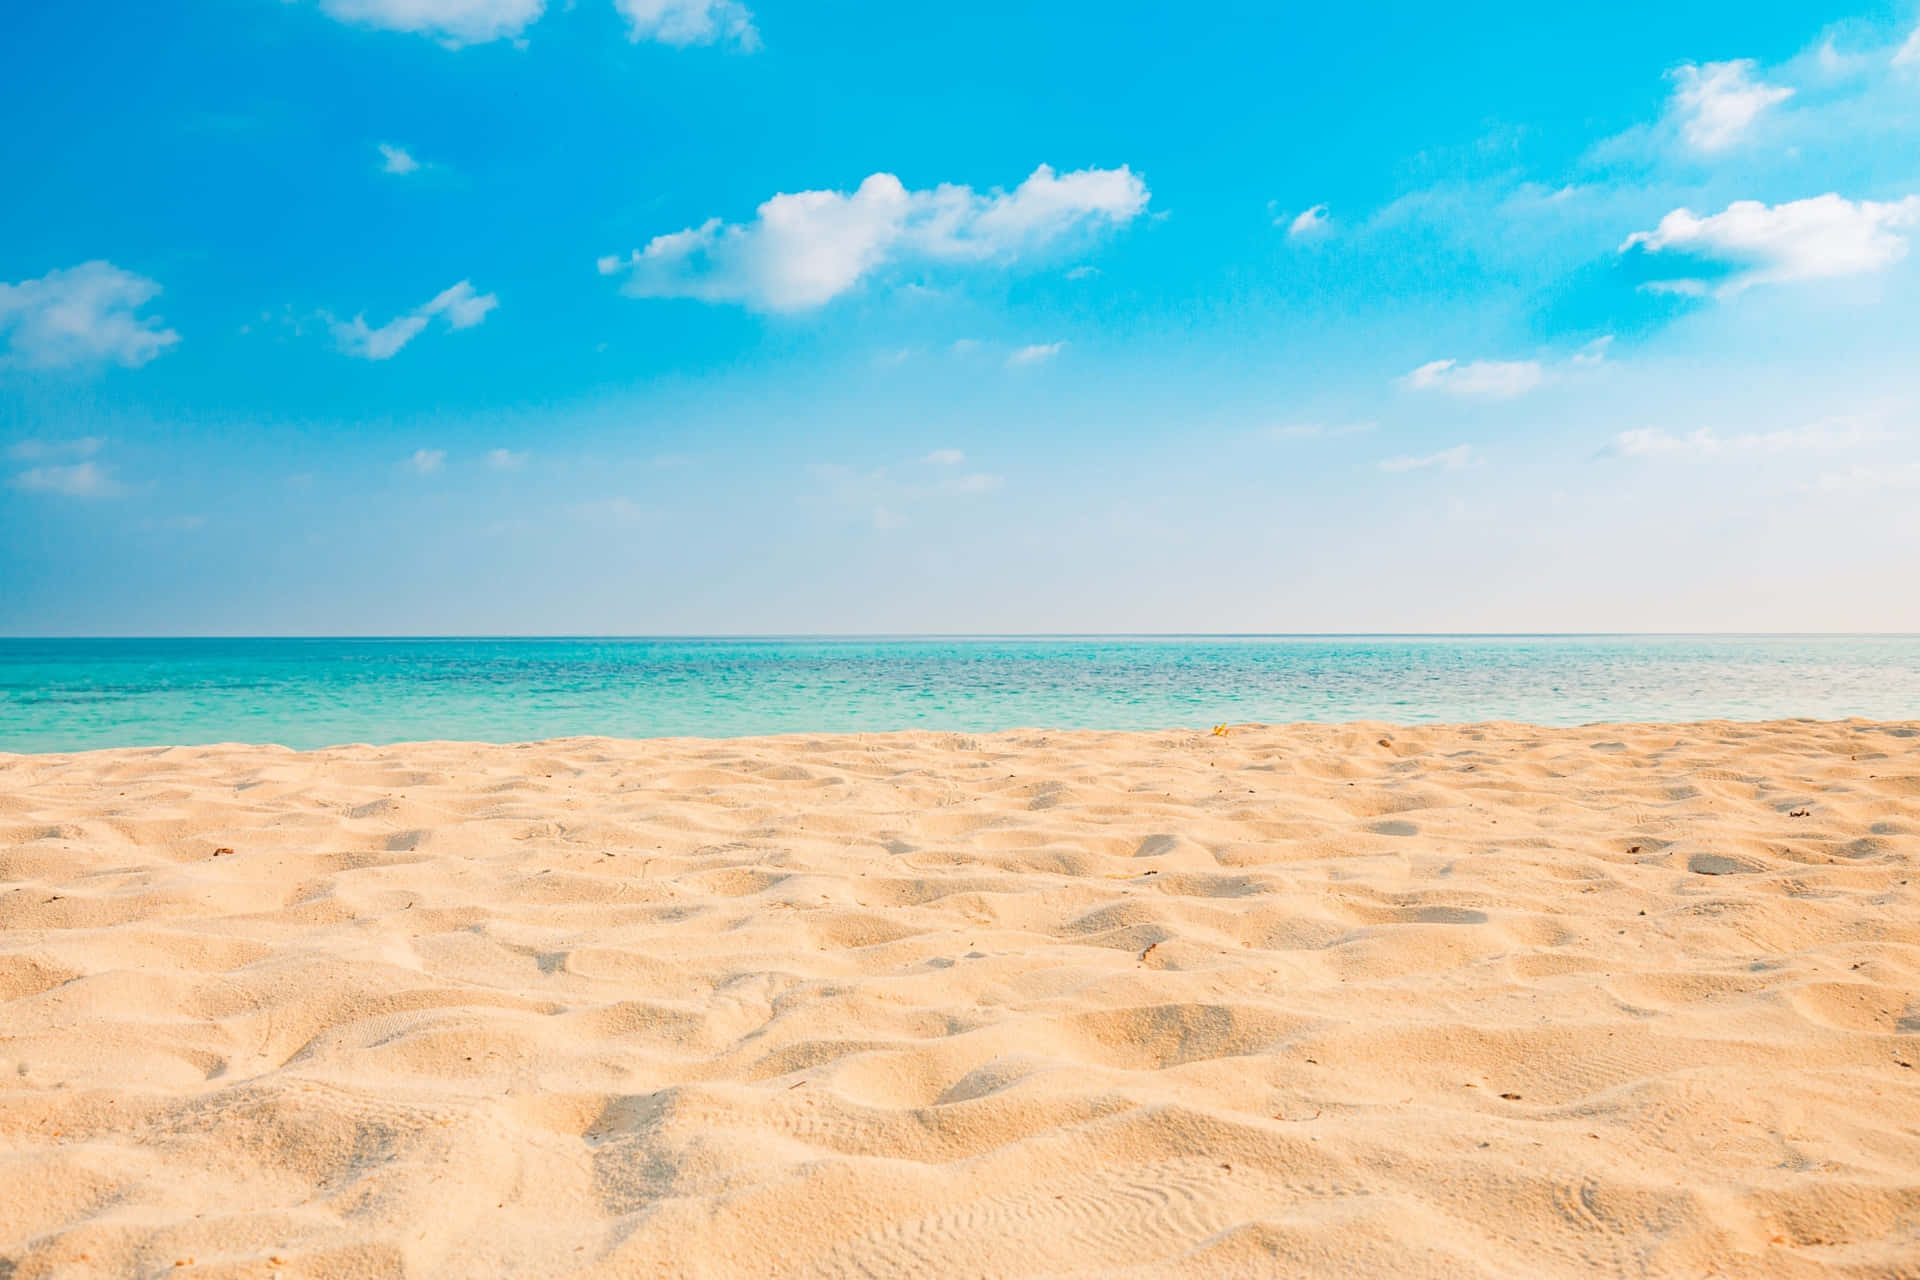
(357, 338)
(1705, 443)
(1594, 352)
(1908, 55)
(427, 461)
(685, 22)
(459, 305)
(1814, 239)
(452, 22)
(1309, 224)
(809, 247)
(463, 307)
(1082, 272)
(1035, 354)
(81, 315)
(1716, 104)
(945, 458)
(505, 459)
(1447, 460)
(396, 159)
(81, 480)
(1493, 379)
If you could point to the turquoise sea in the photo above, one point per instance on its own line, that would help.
(64, 695)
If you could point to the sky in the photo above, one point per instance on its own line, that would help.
(388, 317)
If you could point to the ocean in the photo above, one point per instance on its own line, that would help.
(68, 695)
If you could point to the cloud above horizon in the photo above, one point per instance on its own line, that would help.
(805, 249)
(87, 314)
(1750, 243)
(1705, 443)
(459, 305)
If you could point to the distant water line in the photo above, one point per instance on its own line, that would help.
(65, 695)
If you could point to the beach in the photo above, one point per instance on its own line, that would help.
(1359, 999)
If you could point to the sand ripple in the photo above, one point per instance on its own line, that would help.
(1479, 1001)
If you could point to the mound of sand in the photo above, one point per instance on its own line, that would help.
(1485, 1000)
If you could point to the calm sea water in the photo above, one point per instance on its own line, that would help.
(63, 695)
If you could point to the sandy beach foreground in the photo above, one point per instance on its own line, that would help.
(1485, 1000)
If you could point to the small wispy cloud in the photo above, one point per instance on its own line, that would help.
(459, 305)
(1461, 455)
(1309, 224)
(1716, 104)
(79, 480)
(427, 461)
(1908, 54)
(974, 482)
(396, 159)
(1491, 379)
(505, 459)
(1037, 353)
(945, 458)
(1082, 272)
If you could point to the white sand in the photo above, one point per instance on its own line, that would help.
(1290, 1001)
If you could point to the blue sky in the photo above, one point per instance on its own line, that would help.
(502, 316)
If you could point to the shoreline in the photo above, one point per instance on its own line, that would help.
(806, 736)
(1484, 999)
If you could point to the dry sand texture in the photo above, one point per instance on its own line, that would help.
(1492, 1000)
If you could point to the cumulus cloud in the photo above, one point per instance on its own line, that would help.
(1453, 459)
(1035, 354)
(1705, 443)
(1753, 243)
(1492, 379)
(1309, 224)
(506, 459)
(945, 458)
(452, 22)
(396, 159)
(80, 480)
(427, 461)
(459, 305)
(1717, 104)
(685, 22)
(87, 314)
(806, 248)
